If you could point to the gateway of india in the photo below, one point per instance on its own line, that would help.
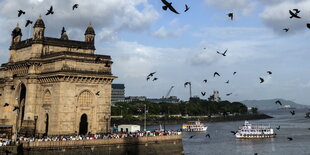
(55, 86)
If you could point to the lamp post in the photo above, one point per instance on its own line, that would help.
(35, 125)
(144, 117)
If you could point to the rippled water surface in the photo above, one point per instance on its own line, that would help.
(222, 142)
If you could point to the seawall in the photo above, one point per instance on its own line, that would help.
(157, 145)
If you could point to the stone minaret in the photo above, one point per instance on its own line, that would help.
(90, 34)
(16, 35)
(38, 29)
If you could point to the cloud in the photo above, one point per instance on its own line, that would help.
(116, 15)
(173, 30)
(245, 6)
(277, 16)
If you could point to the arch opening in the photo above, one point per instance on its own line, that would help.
(83, 125)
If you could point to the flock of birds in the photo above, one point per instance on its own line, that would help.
(50, 11)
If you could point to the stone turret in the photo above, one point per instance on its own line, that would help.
(16, 34)
(38, 31)
(90, 34)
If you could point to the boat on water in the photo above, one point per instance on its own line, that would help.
(248, 131)
(194, 126)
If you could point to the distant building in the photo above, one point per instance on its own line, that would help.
(118, 93)
(215, 97)
(135, 98)
(128, 128)
(171, 99)
(194, 98)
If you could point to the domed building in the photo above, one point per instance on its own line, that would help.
(55, 86)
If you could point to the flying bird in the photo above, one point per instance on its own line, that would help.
(286, 29)
(208, 135)
(151, 74)
(205, 80)
(20, 12)
(216, 73)
(186, 8)
(97, 93)
(187, 83)
(292, 112)
(290, 138)
(231, 15)
(75, 6)
(261, 79)
(192, 136)
(234, 73)
(50, 11)
(15, 108)
(169, 6)
(278, 128)
(5, 105)
(227, 82)
(228, 94)
(294, 14)
(278, 102)
(63, 30)
(224, 54)
(155, 78)
(147, 78)
(269, 72)
(28, 22)
(234, 132)
(203, 93)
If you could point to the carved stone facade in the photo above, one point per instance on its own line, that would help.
(60, 82)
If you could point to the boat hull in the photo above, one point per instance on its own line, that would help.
(254, 136)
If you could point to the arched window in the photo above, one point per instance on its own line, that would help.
(85, 98)
(47, 98)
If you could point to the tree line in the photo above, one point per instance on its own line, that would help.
(192, 108)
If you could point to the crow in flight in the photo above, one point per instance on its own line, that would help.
(28, 22)
(228, 94)
(63, 30)
(97, 93)
(269, 72)
(203, 93)
(208, 135)
(192, 136)
(187, 83)
(278, 128)
(151, 74)
(278, 102)
(169, 6)
(234, 132)
(50, 11)
(294, 15)
(290, 138)
(234, 73)
(15, 108)
(216, 73)
(308, 25)
(20, 12)
(186, 8)
(224, 54)
(205, 80)
(231, 15)
(292, 112)
(147, 78)
(5, 105)
(155, 78)
(75, 6)
(286, 29)
(261, 79)
(227, 82)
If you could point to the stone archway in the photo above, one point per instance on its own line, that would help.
(46, 124)
(21, 99)
(83, 125)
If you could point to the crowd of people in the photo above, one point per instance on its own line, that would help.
(89, 136)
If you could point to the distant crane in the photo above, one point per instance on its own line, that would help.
(169, 91)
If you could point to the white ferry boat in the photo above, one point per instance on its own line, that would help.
(194, 126)
(255, 131)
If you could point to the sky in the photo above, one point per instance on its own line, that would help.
(142, 38)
